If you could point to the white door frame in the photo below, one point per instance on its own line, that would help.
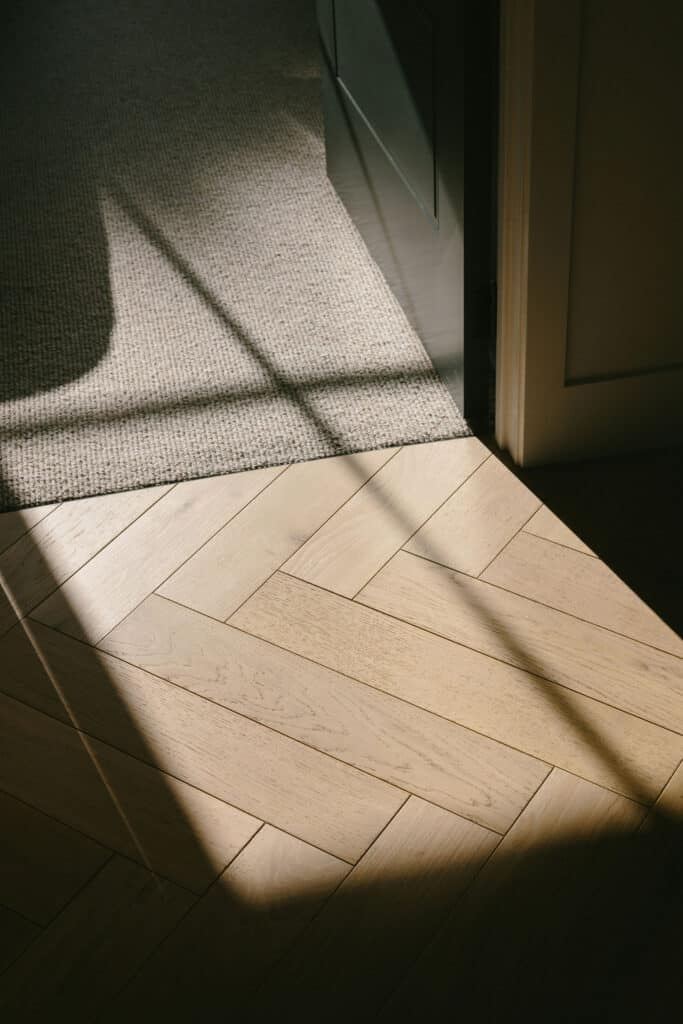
(540, 417)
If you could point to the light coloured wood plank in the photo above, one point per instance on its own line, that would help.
(42, 862)
(92, 601)
(128, 806)
(300, 790)
(591, 660)
(580, 585)
(236, 931)
(668, 809)
(15, 935)
(451, 766)
(374, 524)
(548, 721)
(259, 539)
(540, 901)
(481, 517)
(59, 544)
(94, 946)
(359, 946)
(14, 525)
(549, 526)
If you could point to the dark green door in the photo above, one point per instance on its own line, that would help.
(410, 124)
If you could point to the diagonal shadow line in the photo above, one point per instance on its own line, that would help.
(36, 666)
(518, 655)
(281, 383)
(220, 398)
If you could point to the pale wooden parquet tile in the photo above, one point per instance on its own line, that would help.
(494, 698)
(359, 538)
(319, 799)
(92, 601)
(385, 737)
(59, 544)
(179, 831)
(213, 960)
(580, 585)
(670, 802)
(260, 538)
(461, 690)
(546, 524)
(591, 660)
(518, 915)
(14, 525)
(358, 948)
(481, 517)
(16, 932)
(93, 946)
(42, 862)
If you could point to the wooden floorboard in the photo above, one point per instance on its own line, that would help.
(527, 911)
(355, 543)
(61, 543)
(591, 660)
(16, 933)
(43, 863)
(387, 738)
(268, 775)
(471, 528)
(179, 831)
(371, 735)
(87, 953)
(215, 959)
(547, 525)
(14, 525)
(358, 948)
(580, 585)
(260, 538)
(105, 590)
(490, 696)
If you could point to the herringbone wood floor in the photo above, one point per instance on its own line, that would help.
(324, 739)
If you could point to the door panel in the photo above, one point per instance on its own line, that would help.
(409, 122)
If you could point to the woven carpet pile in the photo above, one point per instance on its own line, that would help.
(183, 294)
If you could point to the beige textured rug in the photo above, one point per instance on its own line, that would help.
(182, 292)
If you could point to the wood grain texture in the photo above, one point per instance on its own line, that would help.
(95, 944)
(669, 803)
(222, 574)
(92, 601)
(580, 585)
(374, 524)
(373, 731)
(546, 524)
(358, 948)
(536, 897)
(496, 699)
(477, 521)
(14, 525)
(130, 807)
(591, 660)
(59, 544)
(236, 931)
(42, 862)
(236, 760)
